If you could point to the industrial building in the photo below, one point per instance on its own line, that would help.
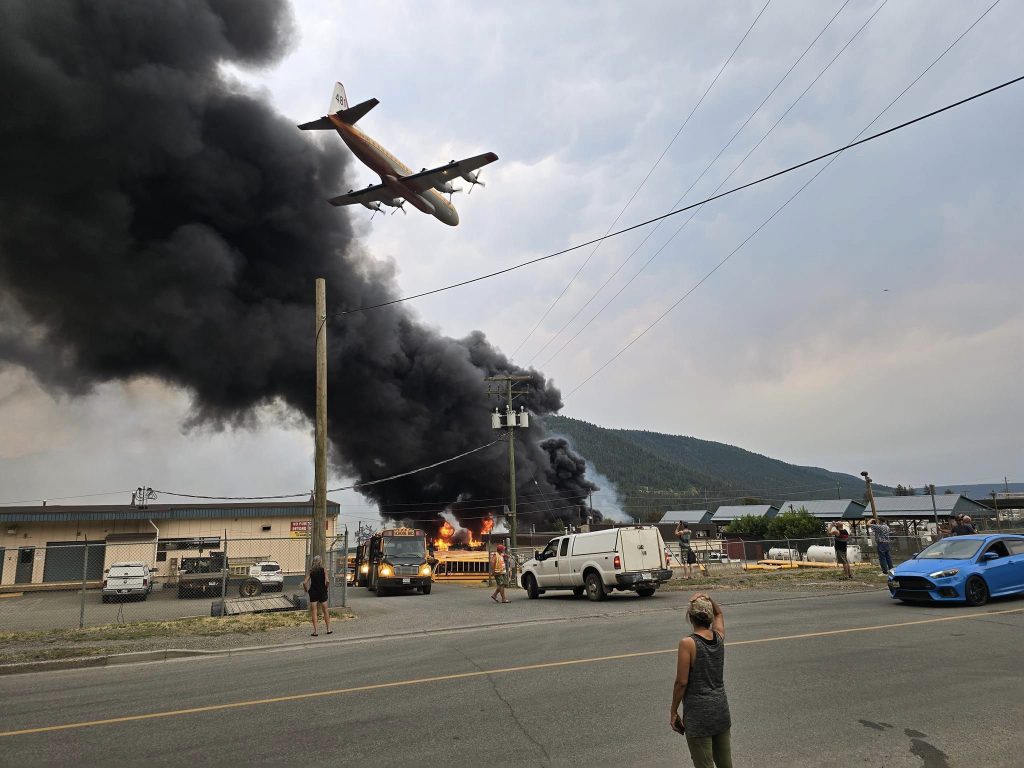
(47, 544)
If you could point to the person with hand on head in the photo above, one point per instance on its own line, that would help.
(686, 554)
(700, 687)
(842, 536)
(965, 527)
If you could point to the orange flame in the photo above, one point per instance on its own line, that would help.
(444, 540)
(487, 526)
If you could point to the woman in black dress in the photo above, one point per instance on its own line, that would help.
(315, 584)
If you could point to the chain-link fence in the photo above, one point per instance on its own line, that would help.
(82, 584)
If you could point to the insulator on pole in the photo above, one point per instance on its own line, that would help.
(524, 417)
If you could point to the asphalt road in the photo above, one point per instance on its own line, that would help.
(813, 680)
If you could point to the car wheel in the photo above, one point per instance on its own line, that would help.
(595, 587)
(250, 588)
(976, 591)
(578, 591)
(426, 588)
(105, 598)
(530, 585)
(645, 592)
(380, 591)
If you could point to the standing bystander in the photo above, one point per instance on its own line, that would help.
(965, 527)
(686, 553)
(842, 536)
(315, 584)
(883, 542)
(700, 687)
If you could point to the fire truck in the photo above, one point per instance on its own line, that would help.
(394, 559)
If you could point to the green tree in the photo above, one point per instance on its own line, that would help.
(799, 524)
(748, 525)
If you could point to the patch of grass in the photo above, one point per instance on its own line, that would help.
(797, 578)
(245, 624)
(23, 655)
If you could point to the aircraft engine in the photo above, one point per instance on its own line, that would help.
(473, 177)
(373, 205)
(395, 202)
(448, 188)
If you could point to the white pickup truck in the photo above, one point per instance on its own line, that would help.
(627, 559)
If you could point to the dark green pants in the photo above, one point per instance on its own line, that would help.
(710, 751)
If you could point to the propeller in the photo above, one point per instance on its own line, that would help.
(397, 203)
(473, 178)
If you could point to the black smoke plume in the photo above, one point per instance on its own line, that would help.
(158, 220)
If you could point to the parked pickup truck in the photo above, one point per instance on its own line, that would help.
(201, 576)
(626, 559)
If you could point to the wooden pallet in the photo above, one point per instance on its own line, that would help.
(258, 604)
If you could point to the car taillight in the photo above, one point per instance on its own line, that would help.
(617, 562)
(668, 558)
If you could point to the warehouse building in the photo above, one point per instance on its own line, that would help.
(62, 544)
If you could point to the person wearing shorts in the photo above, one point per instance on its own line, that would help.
(315, 584)
(841, 535)
(499, 569)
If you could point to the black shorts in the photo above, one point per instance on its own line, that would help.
(316, 596)
(691, 558)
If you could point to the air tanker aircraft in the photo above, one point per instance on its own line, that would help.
(398, 182)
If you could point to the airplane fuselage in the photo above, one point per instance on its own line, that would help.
(391, 170)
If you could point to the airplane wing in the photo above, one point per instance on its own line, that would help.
(372, 194)
(426, 179)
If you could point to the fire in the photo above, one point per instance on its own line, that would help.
(443, 541)
(487, 526)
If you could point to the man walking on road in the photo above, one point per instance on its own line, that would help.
(883, 540)
(499, 568)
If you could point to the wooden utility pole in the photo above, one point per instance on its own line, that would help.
(510, 394)
(318, 540)
(871, 495)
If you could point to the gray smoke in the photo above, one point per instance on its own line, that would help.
(156, 220)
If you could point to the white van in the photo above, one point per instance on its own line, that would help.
(626, 559)
(127, 580)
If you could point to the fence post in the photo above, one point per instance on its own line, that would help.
(344, 571)
(331, 576)
(85, 568)
(224, 577)
(789, 551)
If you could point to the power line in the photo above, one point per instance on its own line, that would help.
(642, 183)
(701, 176)
(834, 157)
(333, 490)
(65, 498)
(676, 212)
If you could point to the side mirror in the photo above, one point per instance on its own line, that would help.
(990, 556)
(914, 556)
(536, 554)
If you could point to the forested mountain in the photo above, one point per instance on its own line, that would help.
(655, 472)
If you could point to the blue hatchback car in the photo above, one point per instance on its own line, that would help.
(967, 569)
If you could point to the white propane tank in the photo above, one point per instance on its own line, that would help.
(524, 417)
(495, 420)
(781, 553)
(820, 554)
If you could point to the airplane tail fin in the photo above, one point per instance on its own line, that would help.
(340, 108)
(339, 101)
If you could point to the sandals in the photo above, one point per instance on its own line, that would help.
(506, 601)
(314, 634)
(330, 631)
(494, 598)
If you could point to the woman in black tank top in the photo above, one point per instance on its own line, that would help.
(700, 687)
(315, 584)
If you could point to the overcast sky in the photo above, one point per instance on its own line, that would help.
(875, 323)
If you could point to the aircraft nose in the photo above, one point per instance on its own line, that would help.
(453, 218)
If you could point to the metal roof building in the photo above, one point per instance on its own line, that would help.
(827, 509)
(688, 516)
(920, 507)
(725, 515)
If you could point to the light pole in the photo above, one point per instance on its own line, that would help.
(871, 495)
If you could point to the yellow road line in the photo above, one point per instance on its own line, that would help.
(479, 673)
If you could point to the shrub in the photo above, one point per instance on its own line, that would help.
(748, 525)
(795, 525)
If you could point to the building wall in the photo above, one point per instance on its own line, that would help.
(246, 540)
